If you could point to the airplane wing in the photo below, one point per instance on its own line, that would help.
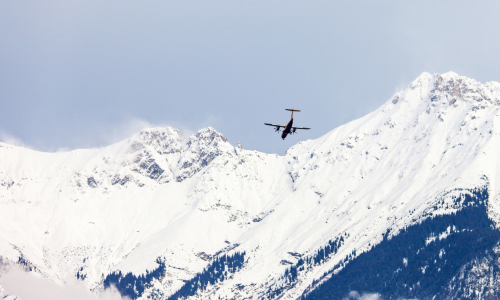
(300, 128)
(275, 125)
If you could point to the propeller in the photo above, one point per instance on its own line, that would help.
(277, 129)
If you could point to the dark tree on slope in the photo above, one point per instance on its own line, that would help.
(220, 269)
(133, 286)
(319, 257)
(410, 266)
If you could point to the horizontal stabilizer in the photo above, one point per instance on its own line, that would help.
(291, 109)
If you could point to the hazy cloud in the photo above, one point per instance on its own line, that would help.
(133, 126)
(356, 296)
(31, 286)
(353, 295)
(111, 134)
(126, 130)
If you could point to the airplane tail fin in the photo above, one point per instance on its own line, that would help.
(292, 110)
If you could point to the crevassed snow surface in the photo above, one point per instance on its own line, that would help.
(121, 207)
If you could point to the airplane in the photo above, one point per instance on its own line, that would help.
(288, 129)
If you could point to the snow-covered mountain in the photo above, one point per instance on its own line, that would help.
(403, 202)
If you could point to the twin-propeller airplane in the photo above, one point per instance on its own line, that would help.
(288, 129)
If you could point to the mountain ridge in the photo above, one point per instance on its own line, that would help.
(156, 196)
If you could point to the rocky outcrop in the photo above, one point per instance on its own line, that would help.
(201, 149)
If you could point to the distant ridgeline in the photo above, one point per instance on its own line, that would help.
(454, 256)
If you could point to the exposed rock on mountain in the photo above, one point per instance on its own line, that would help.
(200, 151)
(403, 202)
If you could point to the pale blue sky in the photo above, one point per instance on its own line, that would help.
(86, 73)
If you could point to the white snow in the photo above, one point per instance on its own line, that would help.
(153, 195)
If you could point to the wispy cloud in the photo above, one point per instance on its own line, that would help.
(133, 126)
(126, 129)
(107, 135)
(31, 286)
(7, 138)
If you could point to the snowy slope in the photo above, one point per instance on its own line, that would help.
(93, 212)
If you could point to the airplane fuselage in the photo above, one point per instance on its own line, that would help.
(287, 129)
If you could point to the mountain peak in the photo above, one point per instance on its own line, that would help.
(424, 79)
(163, 140)
(441, 92)
(452, 88)
(200, 150)
(449, 74)
(209, 134)
(160, 131)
